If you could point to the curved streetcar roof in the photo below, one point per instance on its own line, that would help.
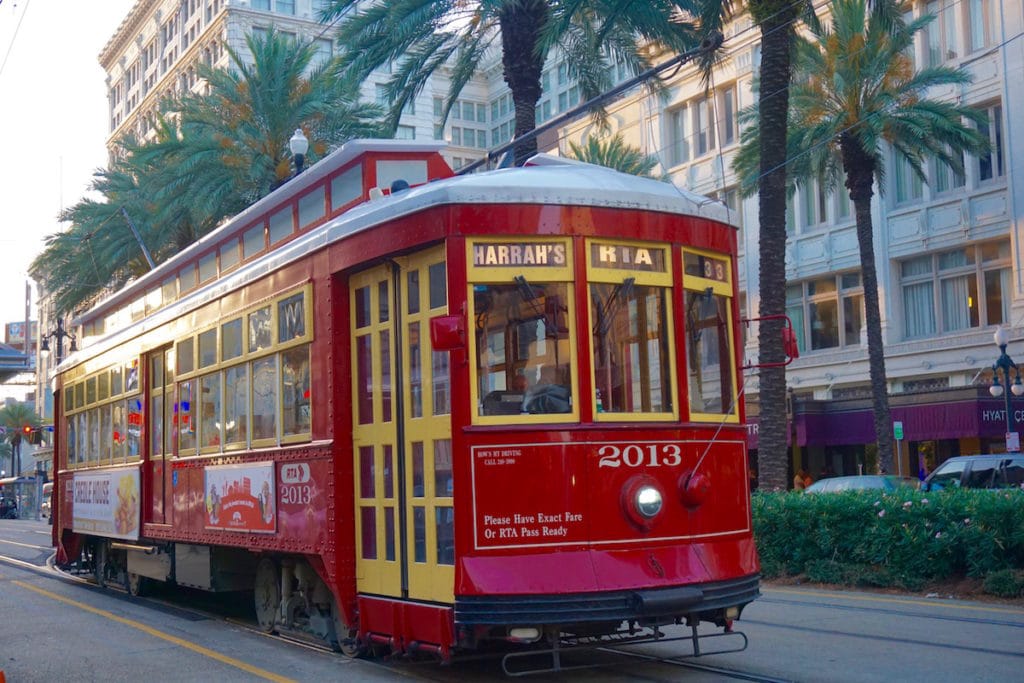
(546, 179)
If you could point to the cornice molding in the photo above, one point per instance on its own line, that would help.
(128, 29)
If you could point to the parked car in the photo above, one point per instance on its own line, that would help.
(999, 471)
(880, 482)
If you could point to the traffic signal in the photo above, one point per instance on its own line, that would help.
(26, 431)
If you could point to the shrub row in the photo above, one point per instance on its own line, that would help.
(905, 539)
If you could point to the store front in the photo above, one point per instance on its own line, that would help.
(837, 436)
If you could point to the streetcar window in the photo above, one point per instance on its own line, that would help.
(362, 306)
(187, 278)
(296, 419)
(228, 255)
(260, 330)
(281, 225)
(264, 398)
(208, 348)
(83, 433)
(253, 241)
(291, 317)
(413, 287)
(186, 356)
(186, 416)
(632, 360)
(231, 340)
(312, 206)
(236, 404)
(131, 377)
(72, 448)
(134, 428)
(709, 370)
(103, 386)
(116, 386)
(523, 353)
(438, 285)
(207, 267)
(209, 412)
(106, 434)
(119, 437)
(630, 285)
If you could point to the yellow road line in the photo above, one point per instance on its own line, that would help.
(26, 545)
(181, 642)
(898, 601)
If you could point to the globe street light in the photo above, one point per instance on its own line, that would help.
(58, 335)
(299, 145)
(1005, 363)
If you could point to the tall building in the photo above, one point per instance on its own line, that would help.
(156, 50)
(948, 252)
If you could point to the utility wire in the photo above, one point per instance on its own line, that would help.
(17, 27)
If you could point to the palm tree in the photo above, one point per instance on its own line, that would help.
(615, 153)
(857, 92)
(213, 154)
(15, 417)
(418, 37)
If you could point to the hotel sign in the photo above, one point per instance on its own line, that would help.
(519, 254)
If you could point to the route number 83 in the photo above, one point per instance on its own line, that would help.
(636, 455)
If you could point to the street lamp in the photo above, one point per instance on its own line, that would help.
(58, 335)
(1004, 363)
(299, 145)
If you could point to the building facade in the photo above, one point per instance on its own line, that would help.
(948, 252)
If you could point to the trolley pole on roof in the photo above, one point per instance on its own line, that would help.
(709, 44)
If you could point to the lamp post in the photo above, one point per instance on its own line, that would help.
(1005, 363)
(299, 145)
(58, 335)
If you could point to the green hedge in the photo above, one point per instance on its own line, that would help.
(906, 539)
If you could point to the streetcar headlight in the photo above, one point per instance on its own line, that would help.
(647, 501)
(642, 501)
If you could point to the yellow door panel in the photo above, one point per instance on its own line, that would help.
(374, 434)
(430, 541)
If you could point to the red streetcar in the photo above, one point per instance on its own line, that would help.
(492, 407)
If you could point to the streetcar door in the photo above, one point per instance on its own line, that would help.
(427, 431)
(375, 432)
(402, 439)
(160, 385)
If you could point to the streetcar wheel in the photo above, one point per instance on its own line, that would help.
(345, 638)
(267, 594)
(99, 563)
(137, 585)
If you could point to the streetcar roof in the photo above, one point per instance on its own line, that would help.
(548, 179)
(545, 179)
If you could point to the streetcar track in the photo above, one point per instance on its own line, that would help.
(888, 638)
(695, 666)
(896, 612)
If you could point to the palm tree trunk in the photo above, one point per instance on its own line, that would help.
(776, 68)
(521, 25)
(859, 177)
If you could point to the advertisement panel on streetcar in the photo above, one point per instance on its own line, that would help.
(106, 502)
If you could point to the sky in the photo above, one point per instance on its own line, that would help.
(53, 124)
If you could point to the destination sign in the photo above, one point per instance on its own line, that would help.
(519, 254)
(700, 265)
(628, 257)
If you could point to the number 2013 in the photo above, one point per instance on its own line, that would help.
(635, 455)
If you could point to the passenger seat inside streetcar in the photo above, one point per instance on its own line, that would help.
(502, 402)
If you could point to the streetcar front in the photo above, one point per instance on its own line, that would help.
(603, 488)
